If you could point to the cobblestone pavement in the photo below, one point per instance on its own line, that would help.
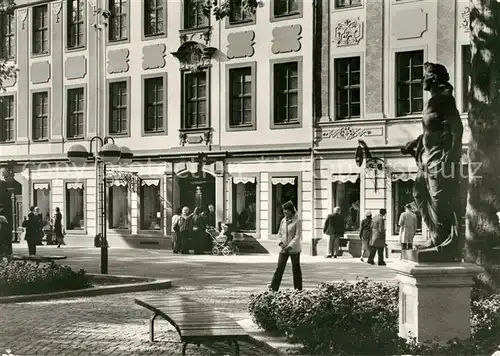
(108, 325)
(113, 325)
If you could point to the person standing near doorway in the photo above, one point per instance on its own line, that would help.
(211, 218)
(183, 228)
(58, 228)
(39, 218)
(365, 234)
(407, 228)
(377, 242)
(5, 236)
(199, 223)
(290, 236)
(334, 228)
(32, 231)
(175, 218)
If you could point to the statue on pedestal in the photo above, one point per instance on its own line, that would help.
(437, 152)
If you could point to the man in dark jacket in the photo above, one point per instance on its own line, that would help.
(377, 241)
(33, 230)
(5, 236)
(334, 228)
(183, 228)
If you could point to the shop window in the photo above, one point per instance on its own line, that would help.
(41, 198)
(402, 194)
(283, 189)
(74, 209)
(346, 195)
(118, 207)
(244, 204)
(151, 209)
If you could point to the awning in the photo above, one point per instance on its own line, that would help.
(345, 177)
(78, 185)
(151, 182)
(116, 182)
(283, 180)
(243, 180)
(41, 186)
(404, 176)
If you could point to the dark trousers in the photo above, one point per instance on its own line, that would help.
(174, 242)
(280, 269)
(334, 245)
(406, 246)
(183, 242)
(376, 250)
(32, 247)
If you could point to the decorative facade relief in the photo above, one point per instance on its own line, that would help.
(153, 57)
(56, 8)
(286, 39)
(348, 32)
(75, 67)
(40, 72)
(240, 44)
(350, 133)
(193, 55)
(118, 61)
(407, 24)
(466, 19)
(22, 15)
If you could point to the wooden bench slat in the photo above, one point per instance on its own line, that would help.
(211, 327)
(218, 323)
(219, 332)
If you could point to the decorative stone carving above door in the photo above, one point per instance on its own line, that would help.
(348, 32)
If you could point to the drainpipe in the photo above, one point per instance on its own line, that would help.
(314, 241)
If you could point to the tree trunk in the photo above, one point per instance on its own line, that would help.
(482, 228)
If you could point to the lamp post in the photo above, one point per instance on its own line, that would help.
(106, 153)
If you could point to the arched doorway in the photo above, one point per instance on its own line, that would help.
(193, 191)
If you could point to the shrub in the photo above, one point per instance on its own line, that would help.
(362, 318)
(21, 278)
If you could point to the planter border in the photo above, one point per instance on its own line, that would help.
(149, 285)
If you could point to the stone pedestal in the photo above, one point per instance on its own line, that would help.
(434, 299)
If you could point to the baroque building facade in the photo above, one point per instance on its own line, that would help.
(243, 113)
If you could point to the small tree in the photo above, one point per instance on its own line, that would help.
(482, 229)
(221, 9)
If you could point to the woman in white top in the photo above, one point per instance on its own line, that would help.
(290, 236)
(175, 218)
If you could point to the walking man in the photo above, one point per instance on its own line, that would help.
(334, 228)
(407, 228)
(377, 242)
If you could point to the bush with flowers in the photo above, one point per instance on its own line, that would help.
(361, 318)
(23, 277)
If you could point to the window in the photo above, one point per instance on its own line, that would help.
(118, 108)
(283, 189)
(341, 4)
(409, 74)
(40, 39)
(346, 195)
(118, 207)
(286, 93)
(193, 14)
(195, 100)
(402, 194)
(154, 17)
(244, 204)
(76, 112)
(466, 70)
(41, 115)
(118, 20)
(7, 121)
(41, 198)
(238, 13)
(76, 24)
(348, 88)
(154, 104)
(286, 7)
(241, 96)
(75, 207)
(151, 207)
(7, 40)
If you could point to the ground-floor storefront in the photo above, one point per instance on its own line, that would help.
(247, 192)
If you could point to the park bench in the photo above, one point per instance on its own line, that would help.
(195, 322)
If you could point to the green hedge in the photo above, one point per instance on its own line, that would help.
(22, 278)
(361, 318)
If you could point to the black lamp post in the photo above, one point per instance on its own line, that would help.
(107, 153)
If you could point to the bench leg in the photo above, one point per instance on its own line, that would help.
(184, 348)
(236, 348)
(152, 328)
